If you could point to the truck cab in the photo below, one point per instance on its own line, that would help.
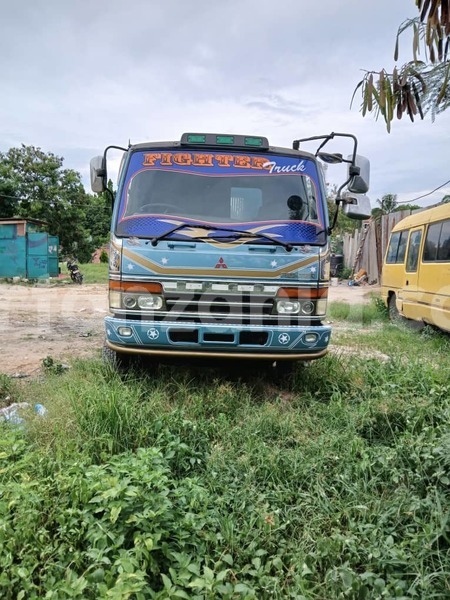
(220, 248)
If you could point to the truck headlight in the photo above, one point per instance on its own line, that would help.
(143, 302)
(135, 295)
(307, 308)
(150, 302)
(129, 301)
(302, 301)
(288, 307)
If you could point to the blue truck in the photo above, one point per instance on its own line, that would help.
(220, 247)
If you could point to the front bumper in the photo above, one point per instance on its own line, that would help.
(221, 341)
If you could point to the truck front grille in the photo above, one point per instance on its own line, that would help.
(254, 306)
(215, 306)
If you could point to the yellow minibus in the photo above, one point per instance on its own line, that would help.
(416, 270)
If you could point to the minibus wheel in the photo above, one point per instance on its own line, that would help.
(394, 315)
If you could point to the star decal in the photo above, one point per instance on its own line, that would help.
(284, 338)
(274, 263)
(164, 261)
(153, 334)
(130, 267)
(313, 269)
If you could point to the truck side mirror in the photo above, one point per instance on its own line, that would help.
(356, 206)
(98, 174)
(359, 184)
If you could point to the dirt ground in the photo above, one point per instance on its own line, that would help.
(61, 321)
(66, 321)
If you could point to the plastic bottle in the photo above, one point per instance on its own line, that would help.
(11, 416)
(40, 409)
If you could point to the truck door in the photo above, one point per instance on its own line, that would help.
(411, 292)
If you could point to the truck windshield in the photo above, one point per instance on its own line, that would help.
(163, 188)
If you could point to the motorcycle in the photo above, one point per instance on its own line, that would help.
(75, 273)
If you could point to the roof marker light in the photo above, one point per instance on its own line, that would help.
(248, 142)
(196, 139)
(253, 141)
(225, 139)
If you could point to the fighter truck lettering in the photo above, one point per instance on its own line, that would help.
(220, 247)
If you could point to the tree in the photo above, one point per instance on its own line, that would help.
(97, 216)
(343, 224)
(8, 198)
(418, 86)
(410, 207)
(39, 187)
(445, 199)
(388, 203)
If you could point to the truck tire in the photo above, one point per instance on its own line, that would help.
(283, 372)
(118, 361)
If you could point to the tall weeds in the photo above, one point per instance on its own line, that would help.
(182, 483)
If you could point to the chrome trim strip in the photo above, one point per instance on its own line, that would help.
(226, 319)
(213, 354)
(148, 278)
(216, 303)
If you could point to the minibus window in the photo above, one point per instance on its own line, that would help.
(413, 250)
(432, 242)
(444, 242)
(397, 247)
(391, 256)
(402, 247)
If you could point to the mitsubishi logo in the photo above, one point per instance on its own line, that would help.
(221, 264)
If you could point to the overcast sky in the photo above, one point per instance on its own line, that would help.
(77, 76)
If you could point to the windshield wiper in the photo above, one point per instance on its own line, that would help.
(243, 233)
(154, 241)
(232, 233)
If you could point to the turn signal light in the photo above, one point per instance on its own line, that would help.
(304, 293)
(135, 287)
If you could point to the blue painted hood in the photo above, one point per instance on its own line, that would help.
(219, 260)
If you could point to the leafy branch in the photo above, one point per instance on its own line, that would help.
(418, 86)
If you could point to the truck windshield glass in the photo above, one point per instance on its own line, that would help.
(278, 193)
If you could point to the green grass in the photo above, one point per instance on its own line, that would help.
(92, 273)
(175, 482)
(363, 314)
(95, 273)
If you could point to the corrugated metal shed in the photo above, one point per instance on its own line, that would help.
(27, 250)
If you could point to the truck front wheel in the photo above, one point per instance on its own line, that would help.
(283, 371)
(118, 361)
